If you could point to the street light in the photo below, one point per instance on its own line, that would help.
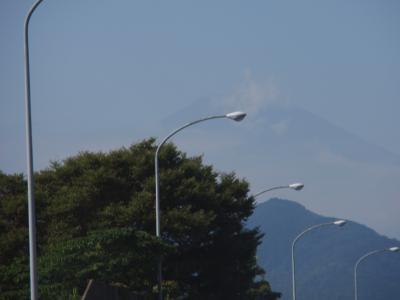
(339, 223)
(235, 116)
(294, 186)
(29, 158)
(391, 249)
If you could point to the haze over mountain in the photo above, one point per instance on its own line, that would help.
(104, 74)
(325, 257)
(279, 143)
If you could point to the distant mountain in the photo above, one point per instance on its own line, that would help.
(279, 143)
(325, 257)
(289, 125)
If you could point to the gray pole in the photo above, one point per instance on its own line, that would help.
(271, 189)
(29, 156)
(159, 273)
(293, 246)
(356, 266)
(295, 186)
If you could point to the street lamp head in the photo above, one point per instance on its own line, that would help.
(236, 116)
(296, 186)
(340, 223)
(394, 249)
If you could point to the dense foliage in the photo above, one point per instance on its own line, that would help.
(95, 219)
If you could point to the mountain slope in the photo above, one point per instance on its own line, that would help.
(277, 123)
(325, 257)
(279, 143)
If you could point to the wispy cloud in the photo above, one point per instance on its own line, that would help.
(252, 95)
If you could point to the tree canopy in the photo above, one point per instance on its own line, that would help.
(96, 219)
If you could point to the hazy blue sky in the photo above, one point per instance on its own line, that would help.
(108, 73)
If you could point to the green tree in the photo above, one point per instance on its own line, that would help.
(14, 264)
(95, 219)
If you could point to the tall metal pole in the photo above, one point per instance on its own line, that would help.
(339, 223)
(237, 116)
(356, 267)
(157, 181)
(297, 187)
(29, 157)
(156, 165)
(393, 249)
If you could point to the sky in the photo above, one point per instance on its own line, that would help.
(106, 74)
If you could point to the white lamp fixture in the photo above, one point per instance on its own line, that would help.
(296, 186)
(340, 223)
(236, 116)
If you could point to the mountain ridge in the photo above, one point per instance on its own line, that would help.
(280, 143)
(325, 257)
(277, 117)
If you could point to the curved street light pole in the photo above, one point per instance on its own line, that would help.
(337, 223)
(392, 249)
(236, 116)
(294, 186)
(29, 156)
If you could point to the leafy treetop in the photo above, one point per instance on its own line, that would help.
(95, 219)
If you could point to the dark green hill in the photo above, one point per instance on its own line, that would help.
(325, 257)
